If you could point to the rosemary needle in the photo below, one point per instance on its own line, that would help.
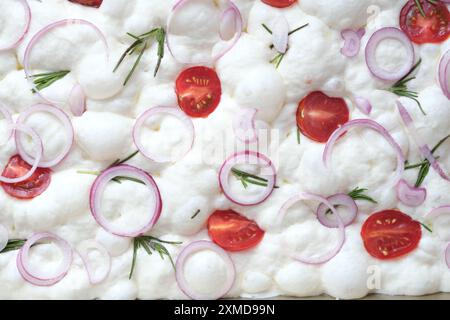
(45, 80)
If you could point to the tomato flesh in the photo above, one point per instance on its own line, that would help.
(279, 3)
(390, 234)
(433, 28)
(233, 232)
(199, 91)
(89, 3)
(318, 115)
(30, 188)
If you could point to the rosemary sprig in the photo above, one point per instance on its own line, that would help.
(195, 214)
(357, 194)
(150, 244)
(13, 244)
(424, 165)
(400, 88)
(45, 80)
(419, 6)
(140, 45)
(298, 135)
(426, 227)
(118, 162)
(247, 178)
(279, 56)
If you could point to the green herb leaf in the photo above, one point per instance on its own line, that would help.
(298, 136)
(140, 44)
(400, 88)
(13, 244)
(150, 245)
(424, 165)
(279, 56)
(195, 214)
(44, 80)
(426, 227)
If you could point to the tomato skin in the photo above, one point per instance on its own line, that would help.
(390, 234)
(318, 115)
(89, 3)
(279, 3)
(233, 232)
(433, 28)
(30, 188)
(199, 91)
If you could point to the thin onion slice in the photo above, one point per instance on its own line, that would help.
(99, 186)
(24, 31)
(4, 237)
(341, 200)
(77, 101)
(37, 157)
(175, 112)
(194, 247)
(244, 125)
(363, 105)
(67, 124)
(439, 211)
(444, 74)
(83, 250)
(228, 24)
(366, 123)
(280, 34)
(247, 157)
(27, 271)
(371, 49)
(304, 196)
(423, 147)
(352, 42)
(9, 120)
(410, 195)
(447, 256)
(230, 43)
(40, 34)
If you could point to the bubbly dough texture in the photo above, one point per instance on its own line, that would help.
(103, 134)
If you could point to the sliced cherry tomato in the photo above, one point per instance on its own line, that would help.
(390, 234)
(279, 3)
(433, 28)
(233, 232)
(318, 115)
(30, 188)
(89, 3)
(199, 91)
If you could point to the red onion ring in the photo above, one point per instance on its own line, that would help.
(83, 250)
(162, 110)
(352, 42)
(340, 199)
(366, 123)
(228, 24)
(447, 256)
(98, 188)
(371, 48)
(247, 157)
(309, 196)
(39, 150)
(363, 105)
(65, 120)
(4, 237)
(238, 28)
(30, 275)
(410, 195)
(77, 101)
(444, 74)
(42, 33)
(244, 125)
(195, 247)
(423, 147)
(25, 29)
(280, 34)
